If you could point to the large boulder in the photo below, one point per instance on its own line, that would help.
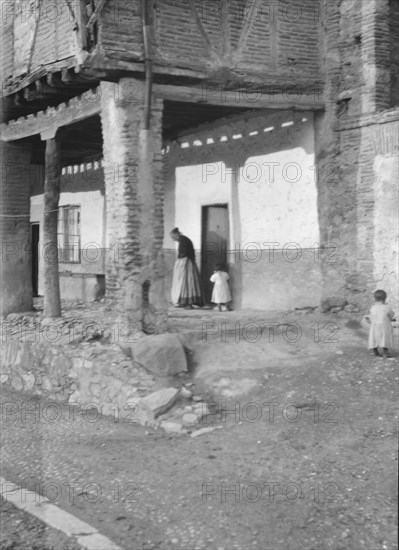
(161, 354)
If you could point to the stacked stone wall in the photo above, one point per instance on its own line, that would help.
(92, 375)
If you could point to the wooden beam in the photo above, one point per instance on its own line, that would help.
(33, 42)
(226, 33)
(256, 99)
(78, 108)
(44, 90)
(96, 14)
(203, 32)
(274, 37)
(248, 20)
(52, 299)
(65, 76)
(41, 72)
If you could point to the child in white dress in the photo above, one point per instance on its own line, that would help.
(381, 316)
(221, 294)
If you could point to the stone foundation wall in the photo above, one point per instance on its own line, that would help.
(87, 373)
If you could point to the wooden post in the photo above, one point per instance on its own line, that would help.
(52, 300)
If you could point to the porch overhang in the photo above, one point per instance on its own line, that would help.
(45, 123)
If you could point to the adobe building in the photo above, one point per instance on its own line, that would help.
(267, 131)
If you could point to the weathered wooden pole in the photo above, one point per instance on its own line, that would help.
(52, 299)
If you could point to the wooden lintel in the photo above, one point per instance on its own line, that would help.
(261, 98)
(78, 108)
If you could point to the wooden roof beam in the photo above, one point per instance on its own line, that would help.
(47, 122)
(96, 14)
(250, 99)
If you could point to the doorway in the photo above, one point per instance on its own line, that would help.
(35, 233)
(215, 238)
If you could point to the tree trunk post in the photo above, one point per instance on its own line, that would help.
(52, 299)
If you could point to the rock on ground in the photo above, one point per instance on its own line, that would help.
(203, 431)
(141, 413)
(158, 402)
(161, 354)
(333, 303)
(171, 427)
(189, 419)
(184, 392)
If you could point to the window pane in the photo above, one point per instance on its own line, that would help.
(69, 233)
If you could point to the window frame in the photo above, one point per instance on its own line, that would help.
(70, 234)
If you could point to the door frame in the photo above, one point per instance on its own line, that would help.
(204, 218)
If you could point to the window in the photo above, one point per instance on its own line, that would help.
(69, 234)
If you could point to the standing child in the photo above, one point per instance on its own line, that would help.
(221, 294)
(381, 316)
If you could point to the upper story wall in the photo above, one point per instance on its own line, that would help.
(264, 37)
(35, 35)
(349, 45)
(257, 40)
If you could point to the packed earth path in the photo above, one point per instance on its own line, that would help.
(303, 454)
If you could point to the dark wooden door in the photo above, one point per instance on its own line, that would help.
(215, 238)
(35, 232)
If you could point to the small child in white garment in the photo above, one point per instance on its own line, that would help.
(380, 318)
(221, 294)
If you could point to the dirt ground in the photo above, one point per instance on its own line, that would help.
(304, 458)
(22, 531)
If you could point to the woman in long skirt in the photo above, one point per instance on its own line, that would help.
(186, 287)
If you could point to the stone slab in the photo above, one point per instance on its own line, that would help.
(162, 354)
(158, 402)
